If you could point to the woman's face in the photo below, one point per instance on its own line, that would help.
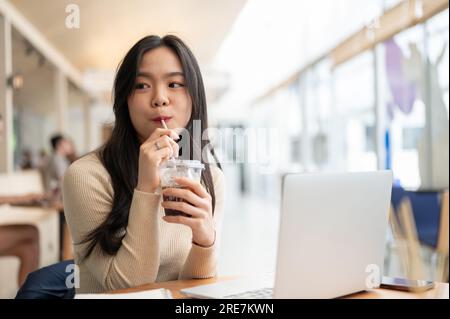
(159, 93)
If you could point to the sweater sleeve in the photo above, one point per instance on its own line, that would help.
(88, 197)
(201, 262)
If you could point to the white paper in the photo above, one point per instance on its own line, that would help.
(146, 294)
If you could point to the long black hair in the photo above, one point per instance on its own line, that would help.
(120, 154)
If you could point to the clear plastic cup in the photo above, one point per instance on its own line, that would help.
(178, 168)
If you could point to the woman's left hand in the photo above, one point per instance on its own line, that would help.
(198, 204)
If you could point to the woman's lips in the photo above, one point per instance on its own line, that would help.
(159, 119)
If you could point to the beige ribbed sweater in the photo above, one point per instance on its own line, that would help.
(152, 249)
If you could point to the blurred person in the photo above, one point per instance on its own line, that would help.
(21, 241)
(57, 164)
(72, 156)
(27, 160)
(55, 169)
(41, 165)
(111, 196)
(43, 159)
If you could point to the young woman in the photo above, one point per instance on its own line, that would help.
(111, 197)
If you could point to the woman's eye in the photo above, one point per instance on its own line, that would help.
(141, 86)
(175, 85)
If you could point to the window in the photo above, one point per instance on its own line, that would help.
(404, 107)
(355, 116)
(438, 53)
(318, 113)
(415, 83)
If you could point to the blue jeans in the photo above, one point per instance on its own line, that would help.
(47, 283)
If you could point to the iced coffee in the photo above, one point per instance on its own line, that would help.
(178, 168)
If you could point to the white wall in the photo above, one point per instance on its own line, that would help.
(100, 113)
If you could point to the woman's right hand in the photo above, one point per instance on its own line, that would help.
(157, 149)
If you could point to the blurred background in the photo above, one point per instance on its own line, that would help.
(327, 85)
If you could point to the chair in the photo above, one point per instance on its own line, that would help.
(415, 268)
(441, 256)
(423, 218)
(426, 211)
(395, 242)
(397, 195)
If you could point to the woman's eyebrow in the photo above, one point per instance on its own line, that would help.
(166, 75)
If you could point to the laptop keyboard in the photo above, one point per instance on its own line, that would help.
(263, 293)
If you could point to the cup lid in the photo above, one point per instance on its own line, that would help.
(186, 163)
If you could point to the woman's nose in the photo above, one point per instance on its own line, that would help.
(160, 100)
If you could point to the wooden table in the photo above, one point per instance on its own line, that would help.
(440, 291)
(17, 215)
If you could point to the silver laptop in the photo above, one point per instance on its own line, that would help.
(331, 239)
